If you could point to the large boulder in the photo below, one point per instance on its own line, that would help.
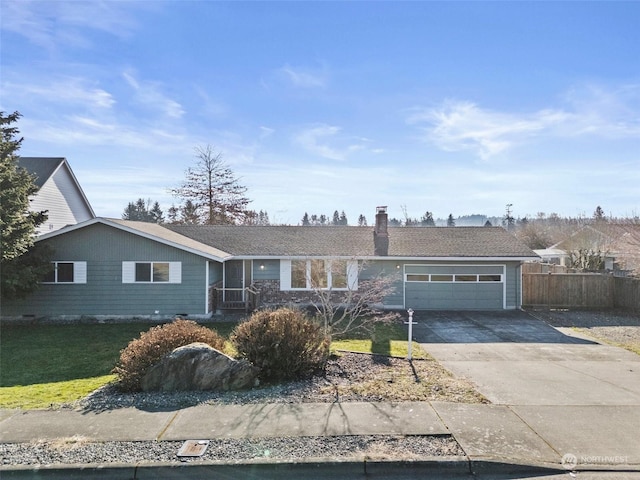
(199, 366)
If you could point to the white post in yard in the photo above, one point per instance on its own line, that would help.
(410, 322)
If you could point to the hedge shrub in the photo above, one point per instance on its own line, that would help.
(283, 343)
(152, 345)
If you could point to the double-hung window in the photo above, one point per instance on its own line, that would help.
(66, 272)
(151, 272)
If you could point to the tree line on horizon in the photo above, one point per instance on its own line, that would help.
(211, 194)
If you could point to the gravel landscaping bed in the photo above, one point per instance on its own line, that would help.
(375, 447)
(349, 377)
(615, 327)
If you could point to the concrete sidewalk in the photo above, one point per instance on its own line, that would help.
(579, 437)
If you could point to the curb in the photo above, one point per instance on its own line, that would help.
(447, 467)
(451, 467)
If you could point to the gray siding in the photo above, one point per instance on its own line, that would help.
(513, 286)
(271, 270)
(104, 249)
(387, 268)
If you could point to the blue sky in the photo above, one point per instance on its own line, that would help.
(449, 107)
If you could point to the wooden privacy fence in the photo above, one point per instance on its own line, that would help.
(579, 290)
(626, 292)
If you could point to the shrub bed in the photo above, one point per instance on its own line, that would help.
(152, 345)
(283, 343)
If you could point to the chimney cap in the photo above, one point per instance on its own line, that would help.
(382, 209)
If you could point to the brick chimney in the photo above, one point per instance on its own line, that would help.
(381, 233)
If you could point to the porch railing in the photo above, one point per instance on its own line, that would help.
(246, 299)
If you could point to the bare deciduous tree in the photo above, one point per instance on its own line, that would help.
(213, 189)
(358, 306)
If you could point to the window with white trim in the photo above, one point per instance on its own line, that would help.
(322, 274)
(151, 272)
(67, 272)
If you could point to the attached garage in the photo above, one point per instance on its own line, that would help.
(455, 287)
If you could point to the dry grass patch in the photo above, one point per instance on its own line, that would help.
(64, 444)
(394, 448)
(378, 378)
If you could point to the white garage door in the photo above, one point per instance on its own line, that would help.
(454, 287)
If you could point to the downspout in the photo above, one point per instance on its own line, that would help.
(206, 287)
(519, 300)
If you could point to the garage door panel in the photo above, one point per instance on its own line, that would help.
(466, 295)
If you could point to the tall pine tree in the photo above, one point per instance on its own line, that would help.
(23, 263)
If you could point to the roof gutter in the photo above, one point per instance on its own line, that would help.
(388, 258)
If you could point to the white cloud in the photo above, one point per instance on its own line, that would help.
(608, 112)
(316, 140)
(302, 78)
(81, 130)
(265, 132)
(149, 95)
(463, 125)
(65, 23)
(66, 90)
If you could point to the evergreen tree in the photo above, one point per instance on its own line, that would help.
(157, 215)
(260, 218)
(336, 218)
(173, 214)
(427, 220)
(141, 211)
(362, 221)
(305, 220)
(250, 218)
(23, 263)
(263, 218)
(598, 214)
(508, 221)
(189, 214)
(450, 221)
(343, 218)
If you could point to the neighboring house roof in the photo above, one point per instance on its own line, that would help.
(59, 192)
(41, 167)
(551, 252)
(405, 242)
(617, 240)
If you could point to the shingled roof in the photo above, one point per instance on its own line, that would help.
(289, 241)
(41, 167)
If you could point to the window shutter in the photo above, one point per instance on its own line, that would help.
(79, 272)
(352, 274)
(175, 272)
(128, 272)
(285, 274)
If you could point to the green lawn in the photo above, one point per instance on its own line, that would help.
(42, 365)
(389, 339)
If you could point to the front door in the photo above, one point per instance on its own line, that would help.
(233, 281)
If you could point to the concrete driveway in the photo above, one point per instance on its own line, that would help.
(516, 359)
